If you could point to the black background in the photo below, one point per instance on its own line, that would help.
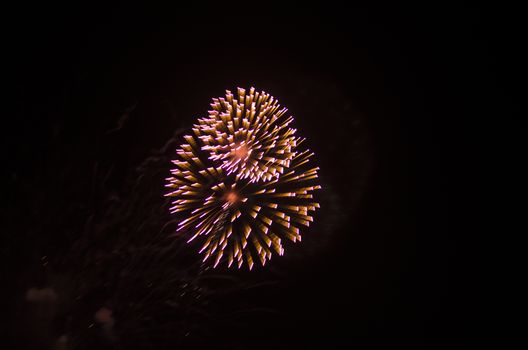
(380, 94)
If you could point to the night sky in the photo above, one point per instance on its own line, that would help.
(101, 98)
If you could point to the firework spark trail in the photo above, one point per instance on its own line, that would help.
(264, 198)
(126, 263)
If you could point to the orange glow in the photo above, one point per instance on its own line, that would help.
(232, 197)
(241, 152)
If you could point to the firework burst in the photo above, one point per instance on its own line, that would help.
(249, 135)
(242, 207)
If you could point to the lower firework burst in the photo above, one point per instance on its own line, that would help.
(236, 218)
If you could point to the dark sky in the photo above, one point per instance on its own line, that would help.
(376, 91)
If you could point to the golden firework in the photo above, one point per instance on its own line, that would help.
(221, 201)
(249, 135)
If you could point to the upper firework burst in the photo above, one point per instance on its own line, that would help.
(248, 136)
